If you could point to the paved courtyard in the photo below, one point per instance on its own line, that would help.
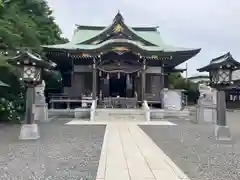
(193, 149)
(62, 153)
(81, 150)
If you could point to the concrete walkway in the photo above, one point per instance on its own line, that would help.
(129, 154)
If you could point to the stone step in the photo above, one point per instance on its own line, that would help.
(119, 118)
(119, 115)
(64, 113)
(169, 113)
(112, 111)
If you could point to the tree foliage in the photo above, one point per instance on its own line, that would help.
(178, 82)
(23, 24)
(28, 23)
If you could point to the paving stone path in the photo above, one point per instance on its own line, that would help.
(129, 154)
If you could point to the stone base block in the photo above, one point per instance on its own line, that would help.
(29, 132)
(206, 114)
(41, 113)
(81, 113)
(222, 133)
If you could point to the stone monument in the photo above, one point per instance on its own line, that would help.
(172, 99)
(41, 107)
(206, 108)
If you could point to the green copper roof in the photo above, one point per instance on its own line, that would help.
(72, 46)
(145, 38)
(83, 35)
(110, 41)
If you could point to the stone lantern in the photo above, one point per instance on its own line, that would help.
(220, 72)
(31, 68)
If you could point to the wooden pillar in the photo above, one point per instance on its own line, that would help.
(101, 86)
(166, 82)
(162, 87)
(106, 85)
(129, 86)
(143, 79)
(94, 80)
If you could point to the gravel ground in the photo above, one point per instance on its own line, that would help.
(193, 148)
(62, 153)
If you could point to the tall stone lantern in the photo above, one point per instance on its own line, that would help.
(220, 72)
(31, 67)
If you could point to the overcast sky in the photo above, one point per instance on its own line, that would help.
(213, 25)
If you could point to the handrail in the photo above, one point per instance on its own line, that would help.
(93, 110)
(146, 110)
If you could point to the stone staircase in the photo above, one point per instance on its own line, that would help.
(116, 115)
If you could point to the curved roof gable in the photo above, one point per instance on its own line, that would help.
(95, 35)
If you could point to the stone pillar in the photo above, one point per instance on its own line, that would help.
(143, 79)
(94, 80)
(162, 87)
(222, 131)
(221, 108)
(29, 131)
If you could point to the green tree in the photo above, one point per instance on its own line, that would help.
(178, 82)
(24, 24)
(1, 4)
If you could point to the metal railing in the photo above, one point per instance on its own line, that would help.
(86, 101)
(65, 99)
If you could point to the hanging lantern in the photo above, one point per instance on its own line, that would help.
(100, 73)
(119, 75)
(108, 77)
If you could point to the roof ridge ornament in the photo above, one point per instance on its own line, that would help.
(118, 28)
(118, 17)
